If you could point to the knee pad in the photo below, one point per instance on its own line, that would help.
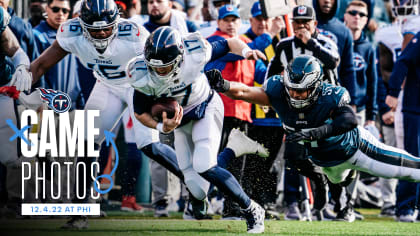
(196, 184)
(203, 158)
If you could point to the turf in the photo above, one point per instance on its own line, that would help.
(130, 224)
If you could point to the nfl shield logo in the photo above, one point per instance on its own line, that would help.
(301, 10)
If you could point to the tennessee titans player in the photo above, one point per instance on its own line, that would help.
(317, 115)
(173, 67)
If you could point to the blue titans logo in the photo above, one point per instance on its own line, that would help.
(358, 61)
(329, 35)
(56, 100)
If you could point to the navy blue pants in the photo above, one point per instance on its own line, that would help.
(407, 191)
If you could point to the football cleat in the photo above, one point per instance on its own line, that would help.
(293, 212)
(129, 204)
(254, 217)
(346, 214)
(242, 144)
(196, 210)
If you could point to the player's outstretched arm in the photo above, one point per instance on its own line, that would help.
(21, 79)
(344, 120)
(240, 48)
(237, 91)
(48, 59)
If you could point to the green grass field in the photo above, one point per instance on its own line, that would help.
(118, 223)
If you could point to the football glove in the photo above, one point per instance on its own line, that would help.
(299, 136)
(22, 78)
(216, 81)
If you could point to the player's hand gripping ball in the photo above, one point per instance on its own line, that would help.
(168, 105)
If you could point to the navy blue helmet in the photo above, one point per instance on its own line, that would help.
(98, 15)
(164, 53)
(304, 73)
(404, 8)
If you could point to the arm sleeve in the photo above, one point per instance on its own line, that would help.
(344, 120)
(328, 56)
(219, 49)
(409, 57)
(142, 103)
(261, 42)
(260, 69)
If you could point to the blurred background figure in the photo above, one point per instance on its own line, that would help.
(37, 11)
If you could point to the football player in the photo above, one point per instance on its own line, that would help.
(318, 116)
(173, 67)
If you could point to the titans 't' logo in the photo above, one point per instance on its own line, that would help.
(58, 101)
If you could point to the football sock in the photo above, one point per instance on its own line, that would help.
(225, 181)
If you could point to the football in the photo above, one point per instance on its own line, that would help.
(164, 104)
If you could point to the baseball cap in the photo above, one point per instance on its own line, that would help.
(228, 10)
(303, 12)
(256, 9)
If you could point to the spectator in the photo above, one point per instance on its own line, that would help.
(161, 14)
(22, 30)
(63, 76)
(364, 59)
(333, 28)
(37, 12)
(210, 15)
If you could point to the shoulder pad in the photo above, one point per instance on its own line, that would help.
(273, 85)
(197, 47)
(137, 72)
(130, 31)
(336, 93)
(69, 29)
(345, 98)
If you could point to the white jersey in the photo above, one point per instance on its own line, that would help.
(190, 87)
(390, 37)
(410, 25)
(109, 66)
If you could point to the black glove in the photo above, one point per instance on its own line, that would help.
(216, 81)
(299, 136)
(321, 132)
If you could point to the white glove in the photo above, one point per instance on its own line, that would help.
(22, 78)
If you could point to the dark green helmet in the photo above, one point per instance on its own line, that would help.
(304, 73)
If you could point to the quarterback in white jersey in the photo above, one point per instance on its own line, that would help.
(173, 67)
